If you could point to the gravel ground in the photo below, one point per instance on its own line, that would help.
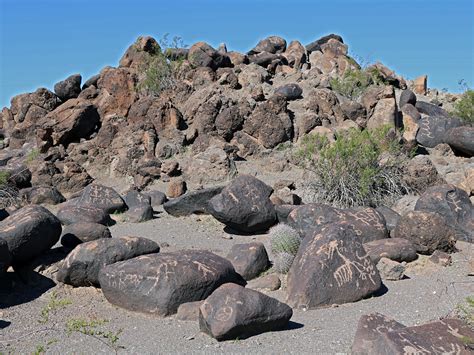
(50, 321)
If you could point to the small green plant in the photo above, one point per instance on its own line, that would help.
(4, 177)
(308, 146)
(352, 83)
(40, 349)
(284, 242)
(92, 328)
(464, 106)
(53, 305)
(466, 310)
(349, 172)
(32, 156)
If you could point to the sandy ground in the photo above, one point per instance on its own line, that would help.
(50, 320)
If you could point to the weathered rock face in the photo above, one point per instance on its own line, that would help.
(331, 267)
(381, 107)
(428, 231)
(289, 91)
(5, 257)
(272, 44)
(396, 249)
(244, 205)
(203, 55)
(368, 224)
(25, 111)
(102, 197)
(212, 165)
(390, 337)
(295, 54)
(461, 139)
(69, 88)
(249, 260)
(71, 214)
(192, 202)
(233, 311)
(83, 264)
(159, 283)
(433, 130)
(117, 92)
(407, 97)
(325, 104)
(29, 232)
(420, 173)
(270, 122)
(390, 270)
(455, 207)
(140, 52)
(78, 233)
(270, 282)
(430, 110)
(369, 328)
(42, 194)
(316, 45)
(68, 123)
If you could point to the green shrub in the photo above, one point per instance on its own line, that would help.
(354, 82)
(32, 156)
(4, 177)
(464, 106)
(349, 172)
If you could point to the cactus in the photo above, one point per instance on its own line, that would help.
(285, 242)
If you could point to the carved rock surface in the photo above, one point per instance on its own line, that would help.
(158, 283)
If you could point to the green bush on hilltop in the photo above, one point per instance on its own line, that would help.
(464, 106)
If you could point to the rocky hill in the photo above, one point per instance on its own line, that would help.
(372, 178)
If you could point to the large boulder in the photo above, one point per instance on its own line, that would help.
(272, 44)
(368, 223)
(316, 45)
(102, 197)
(454, 205)
(244, 205)
(430, 110)
(233, 311)
(295, 54)
(249, 260)
(140, 53)
(70, 213)
(202, 54)
(428, 231)
(381, 107)
(270, 123)
(433, 130)
(289, 91)
(68, 123)
(29, 232)
(396, 249)
(42, 194)
(82, 232)
(331, 267)
(83, 264)
(192, 202)
(461, 139)
(158, 283)
(377, 334)
(407, 97)
(69, 88)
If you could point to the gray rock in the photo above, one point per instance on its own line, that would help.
(433, 130)
(331, 267)
(397, 249)
(192, 202)
(316, 45)
(289, 91)
(233, 311)
(157, 197)
(269, 282)
(407, 97)
(189, 311)
(430, 109)
(249, 260)
(71, 213)
(102, 197)
(461, 139)
(29, 232)
(82, 232)
(69, 88)
(140, 213)
(158, 283)
(390, 270)
(83, 264)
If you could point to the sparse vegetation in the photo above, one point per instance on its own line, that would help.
(32, 156)
(285, 242)
(464, 106)
(92, 328)
(4, 176)
(349, 172)
(54, 304)
(354, 82)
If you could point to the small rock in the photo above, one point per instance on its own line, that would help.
(420, 85)
(176, 188)
(135, 198)
(189, 311)
(396, 249)
(157, 197)
(139, 213)
(441, 258)
(77, 233)
(249, 260)
(69, 88)
(390, 270)
(192, 202)
(233, 311)
(70, 214)
(289, 91)
(269, 282)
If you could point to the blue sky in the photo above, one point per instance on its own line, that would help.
(44, 41)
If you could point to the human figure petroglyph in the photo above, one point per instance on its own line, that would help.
(453, 201)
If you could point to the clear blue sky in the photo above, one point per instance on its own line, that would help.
(44, 41)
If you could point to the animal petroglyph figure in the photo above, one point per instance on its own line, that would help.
(204, 269)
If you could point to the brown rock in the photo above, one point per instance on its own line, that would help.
(176, 188)
(249, 260)
(189, 311)
(396, 249)
(140, 52)
(420, 85)
(269, 282)
(295, 54)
